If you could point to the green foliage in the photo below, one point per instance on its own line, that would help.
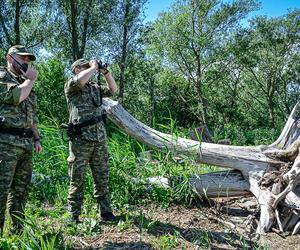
(196, 71)
(8, 244)
(125, 168)
(187, 38)
(52, 104)
(243, 78)
(166, 242)
(90, 227)
(193, 65)
(267, 52)
(51, 168)
(138, 98)
(35, 236)
(3, 56)
(240, 136)
(26, 22)
(175, 98)
(40, 237)
(46, 213)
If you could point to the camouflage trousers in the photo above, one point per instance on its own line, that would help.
(94, 154)
(15, 177)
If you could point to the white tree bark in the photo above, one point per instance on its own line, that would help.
(269, 172)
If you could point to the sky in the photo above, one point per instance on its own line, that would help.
(271, 8)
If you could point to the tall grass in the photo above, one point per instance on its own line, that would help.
(48, 194)
(130, 166)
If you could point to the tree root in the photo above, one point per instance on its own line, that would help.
(288, 154)
(274, 187)
(278, 220)
(293, 221)
(292, 177)
(296, 228)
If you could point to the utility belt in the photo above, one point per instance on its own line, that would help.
(23, 132)
(74, 130)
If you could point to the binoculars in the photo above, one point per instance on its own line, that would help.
(102, 65)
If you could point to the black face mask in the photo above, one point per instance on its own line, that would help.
(23, 66)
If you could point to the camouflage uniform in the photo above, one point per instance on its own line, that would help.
(90, 148)
(15, 151)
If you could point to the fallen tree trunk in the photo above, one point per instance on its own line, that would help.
(270, 172)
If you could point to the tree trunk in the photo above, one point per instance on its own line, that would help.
(152, 101)
(17, 23)
(271, 91)
(124, 49)
(270, 172)
(74, 34)
(84, 35)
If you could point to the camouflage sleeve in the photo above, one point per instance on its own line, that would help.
(9, 93)
(106, 91)
(35, 117)
(72, 85)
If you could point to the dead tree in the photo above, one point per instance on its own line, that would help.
(269, 172)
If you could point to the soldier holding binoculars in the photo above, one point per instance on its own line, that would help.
(88, 142)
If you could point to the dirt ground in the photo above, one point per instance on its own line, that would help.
(219, 224)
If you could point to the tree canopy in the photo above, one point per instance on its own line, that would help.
(198, 62)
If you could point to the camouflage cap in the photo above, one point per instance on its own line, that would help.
(22, 51)
(79, 62)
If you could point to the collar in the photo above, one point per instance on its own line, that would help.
(18, 78)
(12, 73)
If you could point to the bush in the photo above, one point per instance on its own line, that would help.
(50, 91)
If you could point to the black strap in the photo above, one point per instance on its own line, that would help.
(17, 131)
(99, 83)
(74, 130)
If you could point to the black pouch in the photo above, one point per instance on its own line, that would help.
(74, 131)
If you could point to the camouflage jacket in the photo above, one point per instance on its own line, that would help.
(84, 103)
(16, 115)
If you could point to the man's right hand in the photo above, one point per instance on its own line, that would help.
(93, 64)
(31, 73)
(26, 87)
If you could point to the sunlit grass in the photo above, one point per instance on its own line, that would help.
(131, 164)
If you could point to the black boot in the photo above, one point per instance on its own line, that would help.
(109, 216)
(105, 208)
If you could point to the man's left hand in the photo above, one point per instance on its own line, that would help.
(38, 147)
(104, 71)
